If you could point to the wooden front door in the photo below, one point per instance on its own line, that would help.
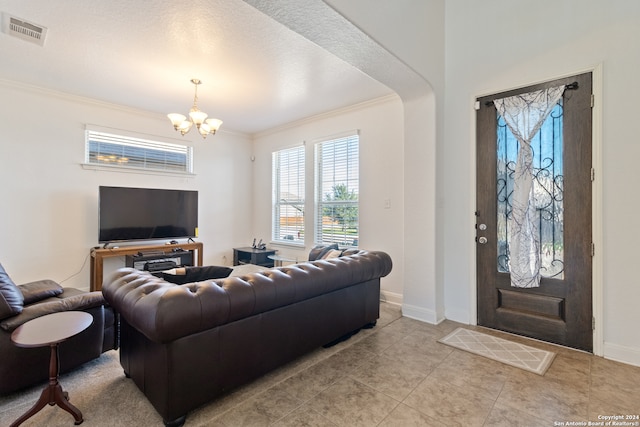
(560, 309)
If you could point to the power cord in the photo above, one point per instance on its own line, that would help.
(84, 263)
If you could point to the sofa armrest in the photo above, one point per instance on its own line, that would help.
(165, 311)
(78, 302)
(39, 290)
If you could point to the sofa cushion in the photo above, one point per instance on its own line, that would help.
(11, 299)
(318, 251)
(39, 290)
(350, 251)
(197, 274)
(333, 253)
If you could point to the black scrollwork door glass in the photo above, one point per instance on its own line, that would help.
(547, 147)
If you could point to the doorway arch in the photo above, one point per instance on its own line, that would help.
(423, 293)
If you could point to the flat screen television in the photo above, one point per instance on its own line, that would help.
(146, 214)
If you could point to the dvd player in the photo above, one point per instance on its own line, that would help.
(160, 265)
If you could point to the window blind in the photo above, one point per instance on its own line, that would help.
(112, 150)
(337, 191)
(288, 195)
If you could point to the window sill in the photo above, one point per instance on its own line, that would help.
(287, 244)
(124, 169)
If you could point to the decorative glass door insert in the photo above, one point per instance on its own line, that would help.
(547, 150)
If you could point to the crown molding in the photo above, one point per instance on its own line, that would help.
(329, 114)
(39, 90)
(12, 84)
(43, 91)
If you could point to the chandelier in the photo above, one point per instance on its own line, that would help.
(196, 117)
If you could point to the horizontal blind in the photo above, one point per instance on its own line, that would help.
(127, 152)
(288, 195)
(337, 191)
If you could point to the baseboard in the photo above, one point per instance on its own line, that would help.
(460, 316)
(620, 353)
(419, 313)
(391, 297)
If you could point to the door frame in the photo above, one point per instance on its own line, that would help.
(596, 209)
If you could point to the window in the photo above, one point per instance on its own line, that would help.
(337, 188)
(288, 195)
(105, 149)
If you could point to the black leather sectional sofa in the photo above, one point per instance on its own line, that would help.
(183, 345)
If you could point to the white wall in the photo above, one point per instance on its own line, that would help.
(49, 218)
(496, 45)
(412, 35)
(381, 177)
(49, 215)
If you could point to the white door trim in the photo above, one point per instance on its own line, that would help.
(597, 209)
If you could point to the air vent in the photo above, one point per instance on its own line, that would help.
(24, 30)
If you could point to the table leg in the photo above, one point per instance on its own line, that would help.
(53, 394)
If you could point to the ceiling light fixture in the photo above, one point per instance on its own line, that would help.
(196, 117)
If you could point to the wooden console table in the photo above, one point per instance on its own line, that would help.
(99, 254)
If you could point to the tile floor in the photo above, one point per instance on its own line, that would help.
(394, 375)
(397, 374)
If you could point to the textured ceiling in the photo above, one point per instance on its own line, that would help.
(256, 73)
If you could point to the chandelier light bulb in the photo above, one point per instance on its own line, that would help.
(197, 116)
(176, 119)
(185, 127)
(204, 130)
(214, 124)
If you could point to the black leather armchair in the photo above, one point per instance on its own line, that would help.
(23, 367)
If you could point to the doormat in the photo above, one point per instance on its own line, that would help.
(508, 352)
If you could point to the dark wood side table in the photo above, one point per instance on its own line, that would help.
(51, 330)
(253, 256)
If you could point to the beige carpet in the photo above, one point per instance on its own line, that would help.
(98, 388)
(508, 352)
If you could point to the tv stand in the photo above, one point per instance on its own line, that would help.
(98, 255)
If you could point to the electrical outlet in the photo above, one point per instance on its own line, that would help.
(387, 203)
